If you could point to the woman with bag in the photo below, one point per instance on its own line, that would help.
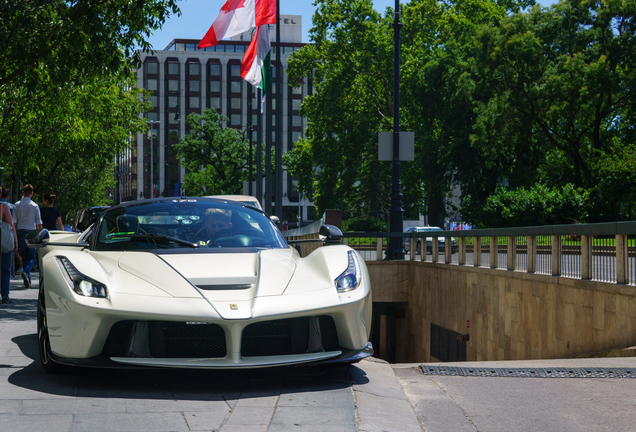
(8, 245)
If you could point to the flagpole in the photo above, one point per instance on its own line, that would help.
(268, 153)
(259, 148)
(279, 121)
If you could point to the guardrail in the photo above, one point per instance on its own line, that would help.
(603, 252)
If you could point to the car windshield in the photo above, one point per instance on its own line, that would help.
(186, 223)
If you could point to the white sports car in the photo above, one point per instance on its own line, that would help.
(196, 283)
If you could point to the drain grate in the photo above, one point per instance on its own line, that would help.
(558, 372)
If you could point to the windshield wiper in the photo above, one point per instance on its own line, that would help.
(155, 236)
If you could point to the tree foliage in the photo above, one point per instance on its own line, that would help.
(507, 101)
(538, 205)
(68, 101)
(352, 65)
(560, 84)
(215, 157)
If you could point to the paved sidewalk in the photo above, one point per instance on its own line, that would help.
(371, 396)
(466, 403)
(335, 398)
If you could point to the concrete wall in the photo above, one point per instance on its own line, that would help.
(508, 315)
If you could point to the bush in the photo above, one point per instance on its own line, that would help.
(538, 205)
(364, 224)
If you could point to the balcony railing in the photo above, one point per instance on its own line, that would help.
(603, 252)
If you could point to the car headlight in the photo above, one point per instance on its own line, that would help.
(351, 277)
(81, 284)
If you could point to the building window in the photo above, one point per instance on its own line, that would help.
(153, 101)
(235, 86)
(194, 69)
(173, 68)
(173, 101)
(173, 85)
(296, 136)
(173, 134)
(215, 102)
(194, 102)
(235, 119)
(296, 121)
(151, 84)
(152, 68)
(215, 69)
(296, 104)
(235, 103)
(171, 118)
(297, 90)
(235, 70)
(193, 85)
(215, 86)
(153, 116)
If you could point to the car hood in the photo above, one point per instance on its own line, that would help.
(229, 282)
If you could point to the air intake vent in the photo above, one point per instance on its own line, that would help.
(290, 336)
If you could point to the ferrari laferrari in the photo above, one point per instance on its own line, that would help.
(196, 283)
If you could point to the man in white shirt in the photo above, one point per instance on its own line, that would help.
(26, 215)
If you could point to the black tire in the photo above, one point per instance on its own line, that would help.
(44, 344)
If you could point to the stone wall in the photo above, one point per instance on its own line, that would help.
(508, 315)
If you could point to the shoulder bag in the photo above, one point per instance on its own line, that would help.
(7, 234)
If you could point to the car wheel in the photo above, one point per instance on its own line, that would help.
(44, 344)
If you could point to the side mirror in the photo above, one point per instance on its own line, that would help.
(81, 226)
(331, 233)
(37, 238)
(274, 219)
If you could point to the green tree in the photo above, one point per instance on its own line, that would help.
(560, 83)
(69, 136)
(67, 91)
(65, 41)
(537, 205)
(352, 65)
(437, 106)
(216, 157)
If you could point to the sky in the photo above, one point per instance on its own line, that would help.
(197, 17)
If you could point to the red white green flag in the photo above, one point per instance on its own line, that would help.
(238, 16)
(255, 67)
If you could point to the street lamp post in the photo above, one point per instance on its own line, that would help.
(395, 249)
(152, 123)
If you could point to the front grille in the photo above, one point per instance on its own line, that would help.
(289, 336)
(182, 340)
(165, 339)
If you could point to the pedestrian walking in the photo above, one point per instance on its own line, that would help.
(26, 215)
(51, 216)
(5, 272)
(4, 199)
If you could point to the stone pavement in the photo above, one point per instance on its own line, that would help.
(370, 396)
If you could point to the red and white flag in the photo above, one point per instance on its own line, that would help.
(238, 16)
(255, 67)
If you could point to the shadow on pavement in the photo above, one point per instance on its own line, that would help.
(180, 384)
(19, 310)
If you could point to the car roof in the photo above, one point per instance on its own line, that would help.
(428, 228)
